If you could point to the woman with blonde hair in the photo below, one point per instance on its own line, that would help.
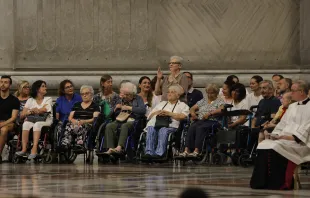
(23, 94)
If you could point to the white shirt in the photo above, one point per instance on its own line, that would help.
(180, 107)
(294, 122)
(239, 106)
(155, 101)
(253, 100)
(47, 103)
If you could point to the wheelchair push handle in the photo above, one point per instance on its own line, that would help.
(253, 107)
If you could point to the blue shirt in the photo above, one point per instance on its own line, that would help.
(64, 106)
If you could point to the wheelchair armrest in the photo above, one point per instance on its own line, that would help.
(253, 107)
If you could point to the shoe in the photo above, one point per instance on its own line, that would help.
(117, 152)
(32, 156)
(184, 154)
(193, 154)
(109, 152)
(21, 154)
(146, 156)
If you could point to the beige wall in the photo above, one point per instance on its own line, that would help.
(215, 37)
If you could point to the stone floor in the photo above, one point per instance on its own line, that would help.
(127, 180)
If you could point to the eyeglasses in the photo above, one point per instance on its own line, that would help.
(85, 93)
(173, 63)
(69, 87)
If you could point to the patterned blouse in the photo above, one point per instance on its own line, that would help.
(112, 100)
(204, 107)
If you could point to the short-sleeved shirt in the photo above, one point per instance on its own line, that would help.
(21, 108)
(64, 106)
(193, 96)
(204, 107)
(7, 106)
(241, 105)
(266, 107)
(46, 103)
(84, 114)
(253, 100)
(181, 80)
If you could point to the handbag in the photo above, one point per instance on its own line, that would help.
(123, 116)
(163, 121)
(37, 117)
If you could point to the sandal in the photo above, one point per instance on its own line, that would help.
(114, 151)
(193, 154)
(184, 154)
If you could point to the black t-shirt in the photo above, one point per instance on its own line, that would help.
(194, 97)
(84, 114)
(266, 107)
(7, 106)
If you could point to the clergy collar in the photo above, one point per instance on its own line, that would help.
(305, 101)
(191, 90)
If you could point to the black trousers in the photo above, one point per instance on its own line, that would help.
(197, 133)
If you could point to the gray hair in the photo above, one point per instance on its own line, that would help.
(303, 85)
(213, 87)
(270, 84)
(177, 88)
(129, 87)
(87, 87)
(177, 58)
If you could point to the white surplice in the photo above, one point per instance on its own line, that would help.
(296, 121)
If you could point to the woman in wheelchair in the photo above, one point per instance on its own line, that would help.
(81, 118)
(207, 109)
(238, 93)
(130, 108)
(158, 131)
(269, 126)
(35, 106)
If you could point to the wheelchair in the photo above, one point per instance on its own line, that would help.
(45, 146)
(248, 157)
(231, 143)
(69, 154)
(130, 147)
(206, 152)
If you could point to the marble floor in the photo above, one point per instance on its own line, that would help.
(127, 180)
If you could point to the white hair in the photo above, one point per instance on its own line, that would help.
(177, 88)
(177, 58)
(129, 87)
(90, 88)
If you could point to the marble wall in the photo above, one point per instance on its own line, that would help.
(215, 37)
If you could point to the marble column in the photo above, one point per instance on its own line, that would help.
(7, 34)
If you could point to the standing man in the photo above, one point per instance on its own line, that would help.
(193, 95)
(9, 107)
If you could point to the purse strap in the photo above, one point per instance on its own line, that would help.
(173, 107)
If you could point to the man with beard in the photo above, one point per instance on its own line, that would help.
(9, 107)
(284, 86)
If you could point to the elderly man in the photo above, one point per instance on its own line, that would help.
(130, 103)
(156, 139)
(268, 106)
(284, 85)
(288, 147)
(175, 77)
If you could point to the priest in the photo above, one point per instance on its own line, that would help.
(287, 146)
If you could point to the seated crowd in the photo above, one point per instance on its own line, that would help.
(282, 118)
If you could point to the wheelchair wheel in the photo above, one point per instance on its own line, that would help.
(244, 160)
(218, 159)
(48, 159)
(235, 159)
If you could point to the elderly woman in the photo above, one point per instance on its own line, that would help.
(38, 104)
(132, 104)
(23, 94)
(81, 117)
(106, 95)
(207, 109)
(67, 98)
(156, 139)
(175, 77)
